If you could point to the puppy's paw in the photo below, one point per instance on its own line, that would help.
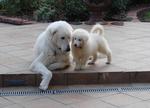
(77, 68)
(91, 63)
(83, 67)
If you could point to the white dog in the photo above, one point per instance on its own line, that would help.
(52, 51)
(85, 44)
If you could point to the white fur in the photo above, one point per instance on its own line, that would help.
(85, 45)
(52, 51)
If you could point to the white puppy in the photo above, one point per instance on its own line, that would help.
(85, 45)
(52, 51)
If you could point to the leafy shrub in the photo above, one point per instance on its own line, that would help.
(95, 1)
(118, 7)
(45, 14)
(20, 7)
(1, 5)
(133, 2)
(70, 10)
(144, 15)
(147, 16)
(49, 10)
(75, 10)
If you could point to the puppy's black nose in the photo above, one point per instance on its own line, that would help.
(75, 45)
(68, 48)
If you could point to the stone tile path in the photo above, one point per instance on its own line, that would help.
(129, 43)
(136, 99)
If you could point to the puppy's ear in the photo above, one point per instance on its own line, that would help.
(85, 38)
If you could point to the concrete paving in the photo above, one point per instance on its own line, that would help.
(129, 43)
(130, 46)
(128, 99)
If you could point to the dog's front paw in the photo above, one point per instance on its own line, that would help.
(41, 87)
(51, 68)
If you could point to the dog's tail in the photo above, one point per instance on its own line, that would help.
(99, 29)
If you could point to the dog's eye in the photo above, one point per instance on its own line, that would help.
(79, 39)
(74, 38)
(62, 38)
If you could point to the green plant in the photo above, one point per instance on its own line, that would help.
(44, 14)
(70, 10)
(49, 10)
(1, 5)
(95, 1)
(118, 7)
(147, 15)
(20, 7)
(133, 2)
(144, 15)
(75, 10)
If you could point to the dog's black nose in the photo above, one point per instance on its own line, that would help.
(68, 48)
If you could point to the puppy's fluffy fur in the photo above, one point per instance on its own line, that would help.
(85, 45)
(52, 51)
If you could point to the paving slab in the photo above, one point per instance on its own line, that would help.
(121, 99)
(117, 100)
(129, 43)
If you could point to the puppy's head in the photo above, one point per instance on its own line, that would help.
(60, 33)
(79, 38)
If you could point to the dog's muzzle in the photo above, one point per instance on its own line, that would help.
(68, 48)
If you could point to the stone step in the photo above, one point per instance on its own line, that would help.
(76, 78)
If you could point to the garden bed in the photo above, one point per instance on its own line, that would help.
(144, 15)
(14, 20)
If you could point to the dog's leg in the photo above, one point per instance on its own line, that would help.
(109, 58)
(39, 67)
(93, 60)
(59, 65)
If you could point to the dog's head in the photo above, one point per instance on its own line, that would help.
(60, 34)
(79, 38)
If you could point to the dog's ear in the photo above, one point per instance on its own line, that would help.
(72, 39)
(53, 32)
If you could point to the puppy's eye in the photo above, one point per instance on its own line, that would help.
(79, 39)
(62, 38)
(74, 38)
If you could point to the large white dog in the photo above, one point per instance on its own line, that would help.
(52, 51)
(85, 44)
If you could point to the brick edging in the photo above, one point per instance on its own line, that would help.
(15, 21)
